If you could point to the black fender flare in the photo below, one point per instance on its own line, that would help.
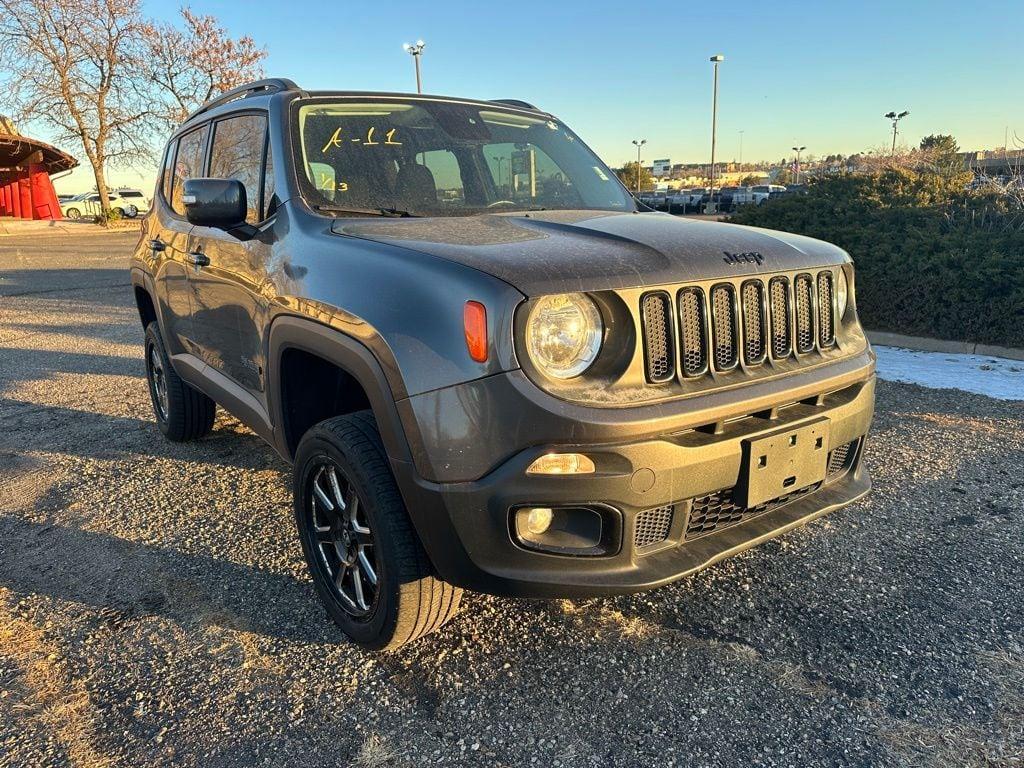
(350, 355)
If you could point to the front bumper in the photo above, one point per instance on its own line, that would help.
(465, 526)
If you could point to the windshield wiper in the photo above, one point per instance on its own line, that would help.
(391, 213)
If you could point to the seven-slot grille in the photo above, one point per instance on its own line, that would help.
(737, 323)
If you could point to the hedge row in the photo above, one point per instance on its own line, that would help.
(925, 267)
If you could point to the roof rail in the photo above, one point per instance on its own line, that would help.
(257, 87)
(516, 103)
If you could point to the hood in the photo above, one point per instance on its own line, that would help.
(563, 251)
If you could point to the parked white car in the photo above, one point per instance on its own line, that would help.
(88, 204)
(756, 195)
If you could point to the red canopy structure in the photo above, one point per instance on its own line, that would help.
(26, 191)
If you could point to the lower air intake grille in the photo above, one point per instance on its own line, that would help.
(717, 510)
(658, 351)
(839, 459)
(826, 329)
(804, 287)
(753, 322)
(692, 325)
(724, 326)
(781, 342)
(653, 525)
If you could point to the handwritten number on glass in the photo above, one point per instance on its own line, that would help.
(337, 140)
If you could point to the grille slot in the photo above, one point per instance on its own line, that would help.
(653, 526)
(826, 328)
(754, 347)
(693, 331)
(723, 323)
(717, 511)
(658, 352)
(804, 288)
(782, 342)
(840, 458)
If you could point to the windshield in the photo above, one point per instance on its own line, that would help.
(429, 158)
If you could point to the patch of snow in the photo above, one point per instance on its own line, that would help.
(992, 376)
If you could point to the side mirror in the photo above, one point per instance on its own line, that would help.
(218, 203)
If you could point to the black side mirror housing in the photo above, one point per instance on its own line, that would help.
(218, 203)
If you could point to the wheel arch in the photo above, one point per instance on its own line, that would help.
(291, 336)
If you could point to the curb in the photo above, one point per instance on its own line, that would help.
(925, 344)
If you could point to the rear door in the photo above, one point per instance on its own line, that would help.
(229, 307)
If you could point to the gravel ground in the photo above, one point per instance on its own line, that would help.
(154, 608)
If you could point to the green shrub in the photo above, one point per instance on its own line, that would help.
(931, 261)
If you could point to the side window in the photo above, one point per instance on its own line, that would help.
(444, 167)
(269, 201)
(168, 172)
(188, 164)
(238, 154)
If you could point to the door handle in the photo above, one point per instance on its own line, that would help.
(199, 259)
(157, 244)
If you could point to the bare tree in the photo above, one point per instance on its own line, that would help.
(192, 65)
(66, 63)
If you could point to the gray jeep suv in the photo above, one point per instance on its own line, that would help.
(489, 370)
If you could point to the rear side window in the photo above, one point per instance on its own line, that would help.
(238, 154)
(188, 164)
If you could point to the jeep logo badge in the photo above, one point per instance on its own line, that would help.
(751, 257)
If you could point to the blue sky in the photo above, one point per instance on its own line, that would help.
(814, 74)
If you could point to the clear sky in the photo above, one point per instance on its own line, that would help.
(819, 74)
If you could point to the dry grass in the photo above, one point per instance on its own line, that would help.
(374, 753)
(57, 701)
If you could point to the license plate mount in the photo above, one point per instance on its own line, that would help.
(782, 462)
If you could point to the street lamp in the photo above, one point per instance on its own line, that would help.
(741, 150)
(895, 121)
(716, 60)
(798, 150)
(416, 50)
(639, 143)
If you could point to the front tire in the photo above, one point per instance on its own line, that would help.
(182, 412)
(368, 566)
(74, 214)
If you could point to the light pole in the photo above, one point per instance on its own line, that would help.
(798, 150)
(741, 150)
(895, 122)
(416, 50)
(639, 143)
(716, 60)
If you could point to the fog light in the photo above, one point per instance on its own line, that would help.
(586, 531)
(539, 520)
(562, 464)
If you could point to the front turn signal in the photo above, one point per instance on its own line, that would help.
(474, 321)
(562, 464)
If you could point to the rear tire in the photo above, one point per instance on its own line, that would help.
(354, 528)
(182, 412)
(74, 214)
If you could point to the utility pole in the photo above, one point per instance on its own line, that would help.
(895, 121)
(639, 143)
(416, 50)
(741, 150)
(716, 60)
(798, 150)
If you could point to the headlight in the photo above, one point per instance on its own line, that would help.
(563, 334)
(842, 292)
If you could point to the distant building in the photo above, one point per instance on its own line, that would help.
(26, 191)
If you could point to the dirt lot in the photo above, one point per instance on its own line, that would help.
(154, 608)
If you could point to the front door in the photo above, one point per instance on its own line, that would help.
(170, 242)
(229, 307)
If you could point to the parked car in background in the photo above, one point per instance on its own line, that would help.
(135, 197)
(686, 200)
(88, 204)
(758, 194)
(65, 198)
